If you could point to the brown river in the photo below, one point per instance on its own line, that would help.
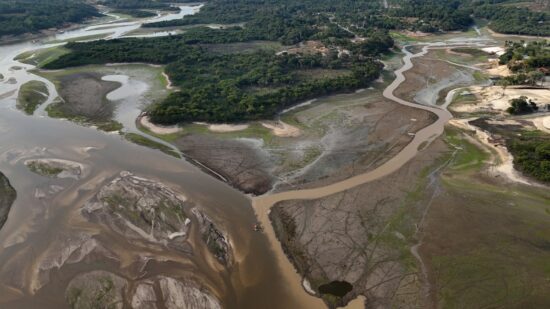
(46, 212)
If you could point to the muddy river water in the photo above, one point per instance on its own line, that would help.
(47, 210)
(37, 222)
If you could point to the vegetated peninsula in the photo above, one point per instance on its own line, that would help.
(245, 86)
(241, 86)
(138, 8)
(24, 16)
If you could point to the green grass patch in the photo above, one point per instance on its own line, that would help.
(469, 156)
(31, 95)
(44, 169)
(475, 52)
(144, 141)
(82, 38)
(42, 57)
(480, 76)
(401, 37)
(55, 110)
(464, 97)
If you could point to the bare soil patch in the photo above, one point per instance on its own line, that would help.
(234, 160)
(362, 235)
(84, 95)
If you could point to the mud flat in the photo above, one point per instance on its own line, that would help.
(47, 243)
(234, 161)
(359, 236)
(122, 92)
(7, 197)
(429, 77)
(107, 290)
(98, 270)
(84, 99)
(57, 168)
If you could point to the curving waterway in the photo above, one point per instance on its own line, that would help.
(422, 139)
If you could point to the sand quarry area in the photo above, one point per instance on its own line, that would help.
(497, 99)
(498, 70)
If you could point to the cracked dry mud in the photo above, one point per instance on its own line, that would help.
(102, 289)
(360, 236)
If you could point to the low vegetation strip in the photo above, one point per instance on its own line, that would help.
(135, 13)
(7, 197)
(143, 141)
(31, 95)
(138, 4)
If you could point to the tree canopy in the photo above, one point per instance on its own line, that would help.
(22, 16)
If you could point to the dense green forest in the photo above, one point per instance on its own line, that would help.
(357, 15)
(135, 13)
(514, 20)
(362, 15)
(22, 16)
(138, 4)
(522, 56)
(531, 152)
(434, 15)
